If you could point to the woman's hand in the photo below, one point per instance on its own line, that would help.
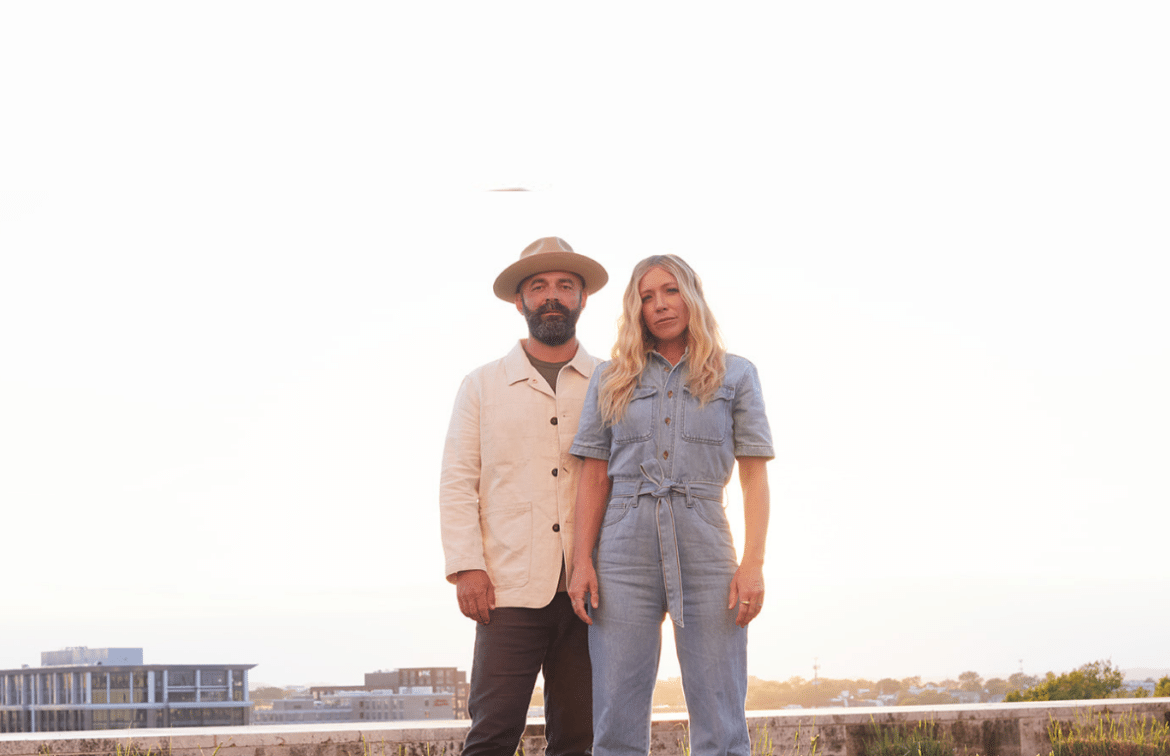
(747, 587)
(593, 489)
(584, 584)
(747, 590)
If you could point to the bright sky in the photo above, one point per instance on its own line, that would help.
(247, 255)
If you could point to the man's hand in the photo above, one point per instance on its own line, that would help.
(477, 595)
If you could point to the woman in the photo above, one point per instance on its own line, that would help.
(663, 423)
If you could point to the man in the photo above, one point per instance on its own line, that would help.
(507, 496)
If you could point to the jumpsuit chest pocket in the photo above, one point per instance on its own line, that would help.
(708, 423)
(638, 422)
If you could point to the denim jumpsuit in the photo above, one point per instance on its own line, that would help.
(665, 548)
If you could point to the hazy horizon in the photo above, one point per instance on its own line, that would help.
(1134, 673)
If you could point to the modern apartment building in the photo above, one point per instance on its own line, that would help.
(108, 689)
(358, 706)
(412, 693)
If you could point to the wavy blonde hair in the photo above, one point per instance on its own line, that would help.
(705, 351)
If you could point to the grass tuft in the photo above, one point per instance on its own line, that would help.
(1105, 735)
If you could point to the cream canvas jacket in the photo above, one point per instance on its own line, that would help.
(509, 484)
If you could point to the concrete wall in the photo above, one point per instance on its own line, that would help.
(1018, 729)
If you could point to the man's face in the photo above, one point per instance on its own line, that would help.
(551, 302)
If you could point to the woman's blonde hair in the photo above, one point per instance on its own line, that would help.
(705, 350)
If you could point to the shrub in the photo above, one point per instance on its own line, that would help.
(923, 739)
(1102, 735)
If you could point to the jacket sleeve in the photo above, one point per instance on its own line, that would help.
(459, 484)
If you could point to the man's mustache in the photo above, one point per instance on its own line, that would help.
(553, 306)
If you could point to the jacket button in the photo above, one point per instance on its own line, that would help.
(668, 421)
(554, 472)
(665, 455)
(553, 421)
(557, 527)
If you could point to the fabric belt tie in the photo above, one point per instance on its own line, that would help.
(664, 490)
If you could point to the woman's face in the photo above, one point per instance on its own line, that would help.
(664, 312)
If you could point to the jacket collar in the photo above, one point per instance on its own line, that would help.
(517, 367)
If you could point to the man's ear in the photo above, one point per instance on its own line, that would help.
(584, 296)
(519, 303)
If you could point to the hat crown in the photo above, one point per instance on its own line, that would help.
(546, 245)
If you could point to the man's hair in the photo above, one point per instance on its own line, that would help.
(705, 357)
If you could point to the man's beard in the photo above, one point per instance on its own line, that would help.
(552, 332)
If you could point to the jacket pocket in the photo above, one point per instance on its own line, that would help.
(507, 541)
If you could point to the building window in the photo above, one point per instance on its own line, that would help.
(238, 685)
(119, 687)
(100, 683)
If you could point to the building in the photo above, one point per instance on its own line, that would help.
(359, 706)
(110, 688)
(441, 679)
(412, 693)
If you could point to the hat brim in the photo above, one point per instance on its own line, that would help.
(508, 282)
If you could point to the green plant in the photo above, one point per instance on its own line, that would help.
(1100, 679)
(925, 738)
(1103, 735)
(1163, 687)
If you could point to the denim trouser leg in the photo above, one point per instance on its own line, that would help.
(712, 655)
(509, 652)
(625, 639)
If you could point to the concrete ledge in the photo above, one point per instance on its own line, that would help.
(1017, 729)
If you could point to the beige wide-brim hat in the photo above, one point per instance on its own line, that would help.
(549, 253)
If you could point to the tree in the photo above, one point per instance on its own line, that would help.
(888, 685)
(767, 694)
(971, 681)
(1163, 687)
(912, 682)
(997, 686)
(1098, 679)
(1020, 681)
(927, 698)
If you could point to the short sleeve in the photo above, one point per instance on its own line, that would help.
(752, 434)
(593, 437)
